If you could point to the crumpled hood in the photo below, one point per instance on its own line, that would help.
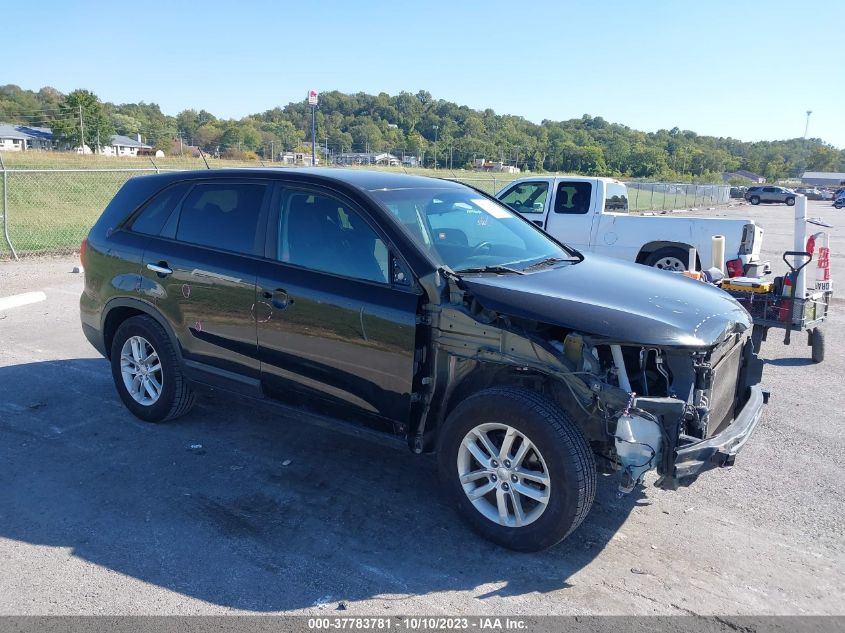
(617, 299)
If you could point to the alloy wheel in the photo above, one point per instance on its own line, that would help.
(141, 370)
(503, 474)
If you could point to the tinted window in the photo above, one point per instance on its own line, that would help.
(573, 197)
(155, 214)
(616, 197)
(223, 216)
(322, 233)
(527, 197)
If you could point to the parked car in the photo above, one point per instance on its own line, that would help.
(738, 192)
(768, 194)
(811, 193)
(428, 313)
(840, 201)
(591, 214)
(826, 194)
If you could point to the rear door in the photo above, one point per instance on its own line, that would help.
(573, 212)
(336, 314)
(529, 198)
(200, 272)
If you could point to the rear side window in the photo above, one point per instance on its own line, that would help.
(573, 197)
(616, 198)
(152, 218)
(223, 216)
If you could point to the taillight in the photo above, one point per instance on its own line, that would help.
(83, 250)
(735, 268)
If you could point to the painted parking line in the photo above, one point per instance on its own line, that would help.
(15, 301)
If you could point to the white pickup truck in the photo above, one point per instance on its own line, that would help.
(591, 214)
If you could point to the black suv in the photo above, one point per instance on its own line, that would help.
(428, 312)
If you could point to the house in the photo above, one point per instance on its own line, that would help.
(823, 178)
(297, 158)
(20, 138)
(744, 175)
(480, 164)
(126, 146)
(367, 158)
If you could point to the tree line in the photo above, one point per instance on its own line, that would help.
(424, 127)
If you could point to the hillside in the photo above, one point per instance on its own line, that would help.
(411, 123)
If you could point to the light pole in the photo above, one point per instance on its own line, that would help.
(806, 128)
(436, 127)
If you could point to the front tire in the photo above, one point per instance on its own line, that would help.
(818, 345)
(790, 202)
(517, 467)
(147, 373)
(754, 200)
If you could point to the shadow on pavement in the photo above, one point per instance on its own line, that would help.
(205, 505)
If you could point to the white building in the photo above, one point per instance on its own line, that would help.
(20, 138)
(126, 146)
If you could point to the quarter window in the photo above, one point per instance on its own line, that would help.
(152, 218)
(322, 233)
(223, 216)
(573, 197)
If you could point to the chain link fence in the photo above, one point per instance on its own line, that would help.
(47, 210)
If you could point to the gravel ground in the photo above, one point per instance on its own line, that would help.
(234, 509)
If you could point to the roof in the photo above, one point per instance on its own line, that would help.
(366, 180)
(119, 139)
(23, 132)
(832, 175)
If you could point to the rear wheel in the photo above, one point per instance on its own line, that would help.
(754, 200)
(147, 373)
(818, 345)
(790, 202)
(519, 470)
(669, 258)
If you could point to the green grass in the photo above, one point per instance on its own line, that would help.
(52, 211)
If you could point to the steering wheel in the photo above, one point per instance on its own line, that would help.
(478, 247)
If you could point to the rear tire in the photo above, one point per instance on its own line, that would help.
(559, 469)
(154, 391)
(818, 345)
(669, 258)
(754, 200)
(790, 202)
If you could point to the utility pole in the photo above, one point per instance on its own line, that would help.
(436, 127)
(272, 151)
(81, 130)
(806, 128)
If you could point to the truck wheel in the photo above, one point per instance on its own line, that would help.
(754, 200)
(818, 345)
(668, 259)
(518, 468)
(790, 202)
(146, 371)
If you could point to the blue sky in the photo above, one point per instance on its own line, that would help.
(748, 70)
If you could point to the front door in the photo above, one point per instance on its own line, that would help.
(200, 272)
(572, 213)
(336, 328)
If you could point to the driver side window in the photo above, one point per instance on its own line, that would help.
(319, 232)
(527, 197)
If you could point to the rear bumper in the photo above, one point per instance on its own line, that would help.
(720, 450)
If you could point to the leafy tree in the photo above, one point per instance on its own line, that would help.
(95, 123)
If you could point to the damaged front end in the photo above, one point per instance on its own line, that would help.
(676, 409)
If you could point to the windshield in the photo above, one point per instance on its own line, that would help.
(469, 232)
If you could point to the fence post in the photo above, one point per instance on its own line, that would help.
(6, 209)
(651, 202)
(637, 198)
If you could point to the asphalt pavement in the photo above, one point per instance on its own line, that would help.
(238, 509)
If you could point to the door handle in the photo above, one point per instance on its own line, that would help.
(279, 298)
(160, 269)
